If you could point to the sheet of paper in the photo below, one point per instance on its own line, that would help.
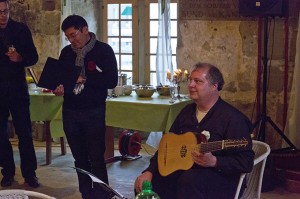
(105, 186)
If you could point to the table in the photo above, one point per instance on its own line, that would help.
(129, 112)
(46, 107)
(144, 114)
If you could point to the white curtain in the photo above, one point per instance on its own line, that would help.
(293, 127)
(164, 50)
(163, 56)
(66, 10)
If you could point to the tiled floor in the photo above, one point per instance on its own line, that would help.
(59, 179)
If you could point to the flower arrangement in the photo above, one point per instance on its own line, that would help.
(91, 66)
(29, 80)
(206, 134)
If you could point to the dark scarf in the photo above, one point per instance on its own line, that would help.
(81, 53)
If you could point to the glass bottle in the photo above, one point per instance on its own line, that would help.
(147, 192)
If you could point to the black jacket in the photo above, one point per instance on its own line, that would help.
(223, 121)
(18, 35)
(95, 88)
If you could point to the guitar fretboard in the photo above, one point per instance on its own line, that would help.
(211, 146)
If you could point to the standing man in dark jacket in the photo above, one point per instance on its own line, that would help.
(84, 104)
(214, 175)
(17, 51)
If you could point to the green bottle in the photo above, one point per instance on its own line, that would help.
(147, 192)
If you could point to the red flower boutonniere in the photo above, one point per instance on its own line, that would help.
(91, 66)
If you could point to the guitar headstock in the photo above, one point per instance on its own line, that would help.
(235, 143)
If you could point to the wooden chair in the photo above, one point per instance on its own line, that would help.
(255, 177)
(22, 194)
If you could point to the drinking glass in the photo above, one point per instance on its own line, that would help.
(172, 93)
(109, 93)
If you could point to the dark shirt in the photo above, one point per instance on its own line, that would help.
(222, 121)
(18, 35)
(95, 89)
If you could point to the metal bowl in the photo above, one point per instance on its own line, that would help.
(144, 90)
(127, 92)
(163, 90)
(127, 89)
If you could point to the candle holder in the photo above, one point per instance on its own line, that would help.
(178, 77)
(178, 90)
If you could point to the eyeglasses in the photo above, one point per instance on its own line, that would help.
(4, 12)
(72, 36)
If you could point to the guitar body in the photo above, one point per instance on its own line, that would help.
(174, 152)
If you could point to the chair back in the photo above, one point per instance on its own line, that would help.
(255, 177)
(22, 194)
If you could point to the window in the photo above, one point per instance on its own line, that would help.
(131, 27)
(153, 33)
(119, 33)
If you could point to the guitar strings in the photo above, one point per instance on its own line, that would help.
(174, 152)
(190, 148)
(208, 146)
(203, 147)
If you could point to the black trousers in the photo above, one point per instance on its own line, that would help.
(14, 99)
(200, 183)
(85, 132)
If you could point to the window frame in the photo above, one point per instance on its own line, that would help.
(140, 36)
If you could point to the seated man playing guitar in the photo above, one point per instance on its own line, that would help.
(213, 174)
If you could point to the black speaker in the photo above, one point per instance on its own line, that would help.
(263, 8)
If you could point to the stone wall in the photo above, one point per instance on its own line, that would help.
(228, 42)
(43, 19)
(231, 43)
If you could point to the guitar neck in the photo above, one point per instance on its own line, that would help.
(211, 146)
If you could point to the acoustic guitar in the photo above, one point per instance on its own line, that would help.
(174, 152)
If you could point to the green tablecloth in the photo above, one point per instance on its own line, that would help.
(47, 107)
(44, 106)
(130, 112)
(144, 114)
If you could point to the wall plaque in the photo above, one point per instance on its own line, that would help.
(209, 9)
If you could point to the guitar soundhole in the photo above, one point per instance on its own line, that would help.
(183, 151)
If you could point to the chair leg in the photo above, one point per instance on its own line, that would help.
(48, 142)
(109, 143)
(63, 146)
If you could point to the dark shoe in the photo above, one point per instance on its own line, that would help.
(7, 181)
(32, 182)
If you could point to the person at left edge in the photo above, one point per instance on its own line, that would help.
(17, 51)
(84, 104)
